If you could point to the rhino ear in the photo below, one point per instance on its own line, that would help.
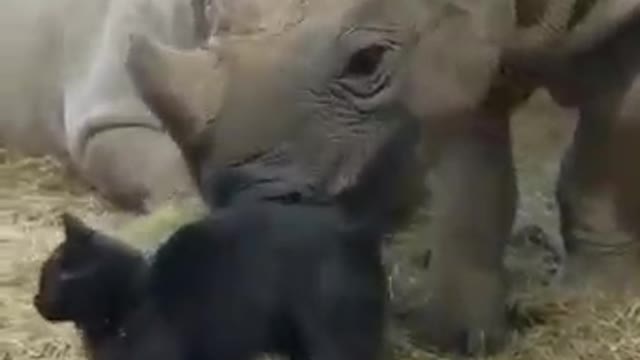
(183, 88)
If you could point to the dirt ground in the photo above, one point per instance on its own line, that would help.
(33, 192)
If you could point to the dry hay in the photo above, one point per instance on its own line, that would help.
(574, 327)
(34, 191)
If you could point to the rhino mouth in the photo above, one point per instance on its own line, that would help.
(348, 173)
(265, 176)
(240, 184)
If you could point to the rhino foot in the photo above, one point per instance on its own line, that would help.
(135, 167)
(600, 253)
(533, 258)
(466, 316)
(600, 265)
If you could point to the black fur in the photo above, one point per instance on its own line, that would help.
(98, 283)
(90, 278)
(268, 277)
(258, 277)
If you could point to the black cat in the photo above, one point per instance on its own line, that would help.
(257, 277)
(98, 283)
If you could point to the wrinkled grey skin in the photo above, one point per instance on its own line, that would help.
(310, 127)
(319, 103)
(594, 68)
(586, 59)
(589, 62)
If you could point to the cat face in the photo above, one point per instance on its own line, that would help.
(82, 279)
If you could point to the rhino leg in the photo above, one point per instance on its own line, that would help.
(135, 167)
(473, 205)
(626, 172)
(590, 190)
(600, 250)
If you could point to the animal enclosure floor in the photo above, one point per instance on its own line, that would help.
(33, 192)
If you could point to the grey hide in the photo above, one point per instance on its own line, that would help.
(460, 69)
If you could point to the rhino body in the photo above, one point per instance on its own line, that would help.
(585, 57)
(65, 91)
(588, 62)
(325, 101)
(328, 100)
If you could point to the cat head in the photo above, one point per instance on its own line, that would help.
(88, 277)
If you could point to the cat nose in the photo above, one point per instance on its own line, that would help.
(45, 309)
(40, 303)
(37, 302)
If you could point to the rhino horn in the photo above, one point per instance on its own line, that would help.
(183, 88)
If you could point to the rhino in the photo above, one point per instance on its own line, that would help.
(65, 91)
(317, 101)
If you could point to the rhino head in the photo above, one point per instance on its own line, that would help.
(334, 102)
(317, 100)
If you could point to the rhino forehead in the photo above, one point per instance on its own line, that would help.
(267, 76)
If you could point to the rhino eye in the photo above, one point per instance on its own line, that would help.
(365, 62)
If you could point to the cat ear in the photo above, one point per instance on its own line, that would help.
(74, 229)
